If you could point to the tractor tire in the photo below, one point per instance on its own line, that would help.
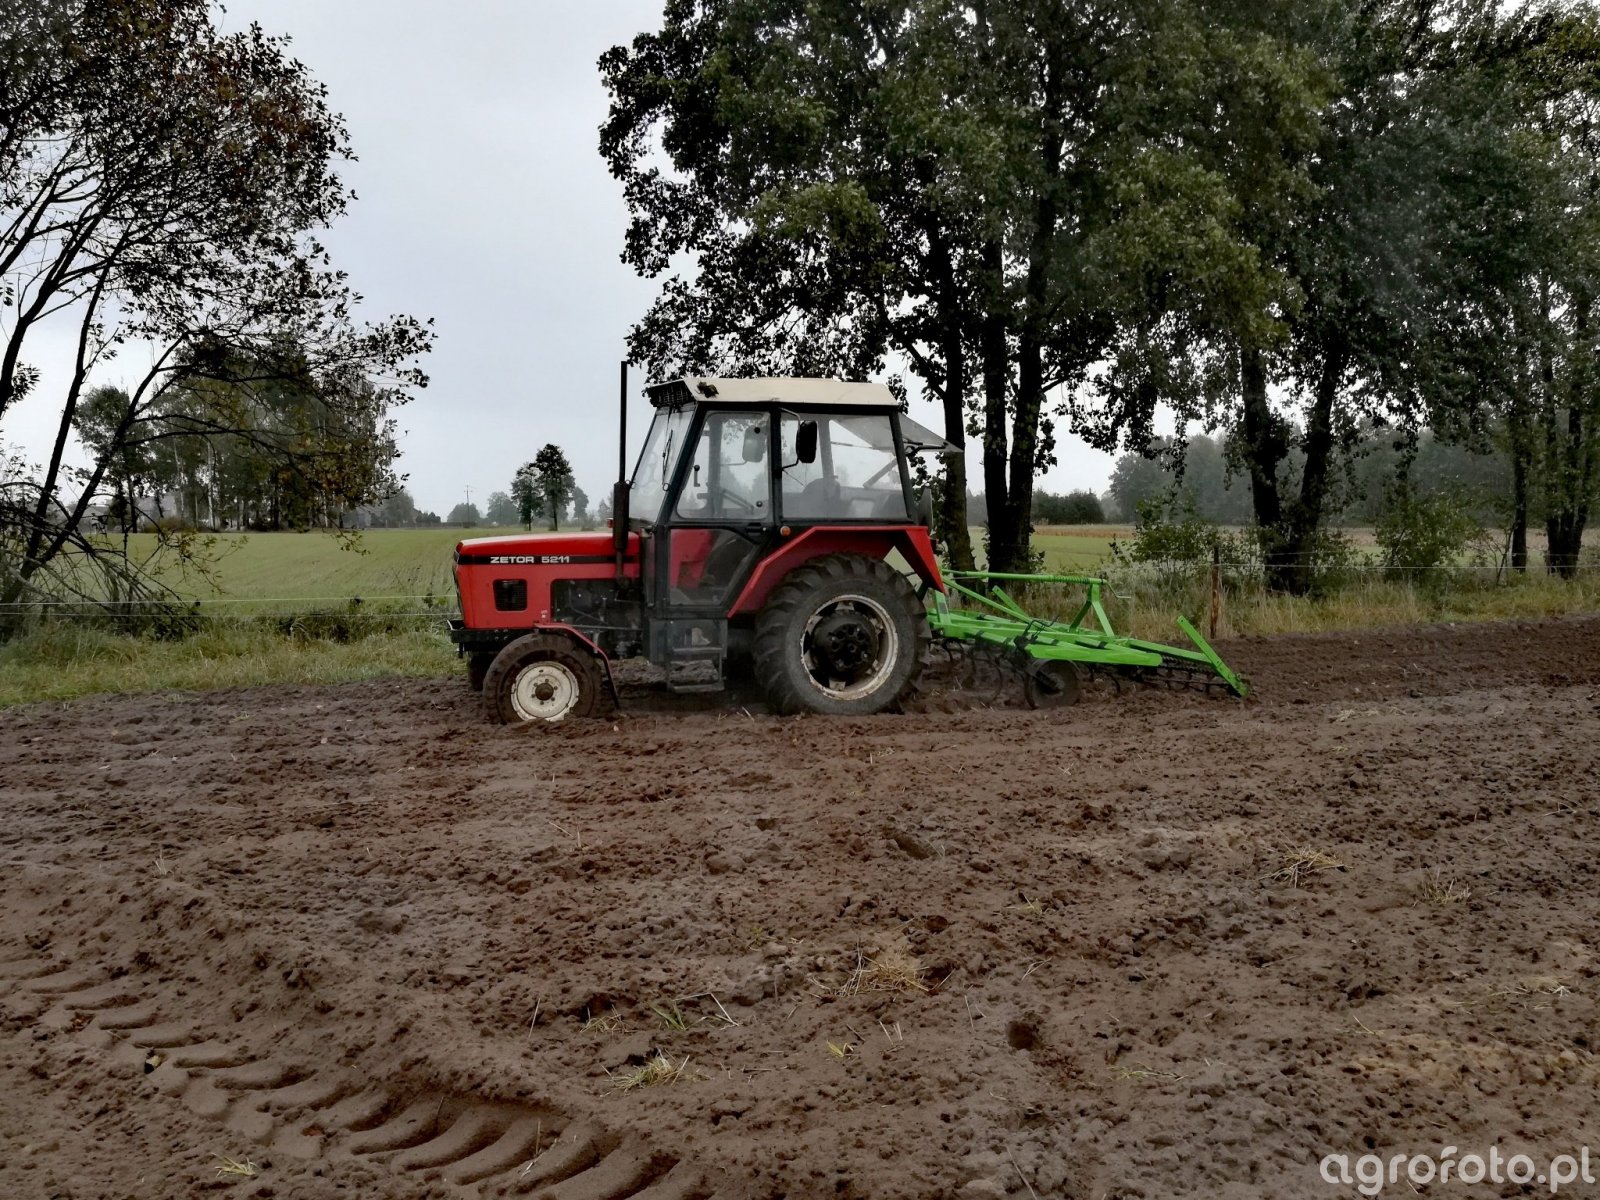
(843, 635)
(541, 677)
(477, 668)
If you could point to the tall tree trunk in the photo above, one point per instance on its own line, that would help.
(1264, 446)
(951, 519)
(1024, 447)
(1569, 456)
(1519, 440)
(1304, 524)
(1016, 517)
(1568, 510)
(1519, 506)
(994, 350)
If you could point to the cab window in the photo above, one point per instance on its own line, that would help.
(730, 476)
(854, 477)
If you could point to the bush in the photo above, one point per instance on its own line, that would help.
(1422, 537)
(1177, 541)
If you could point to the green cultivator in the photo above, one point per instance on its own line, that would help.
(1053, 657)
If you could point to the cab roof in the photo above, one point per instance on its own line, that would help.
(768, 390)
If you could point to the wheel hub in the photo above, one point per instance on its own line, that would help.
(846, 642)
(849, 647)
(545, 691)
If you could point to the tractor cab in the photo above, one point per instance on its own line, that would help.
(750, 498)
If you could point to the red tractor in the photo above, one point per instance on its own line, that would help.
(754, 539)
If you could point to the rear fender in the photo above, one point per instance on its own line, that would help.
(872, 541)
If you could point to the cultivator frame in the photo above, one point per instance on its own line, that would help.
(1049, 655)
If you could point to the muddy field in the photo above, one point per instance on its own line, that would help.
(355, 941)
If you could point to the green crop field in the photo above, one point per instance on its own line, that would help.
(387, 564)
(1073, 550)
(382, 564)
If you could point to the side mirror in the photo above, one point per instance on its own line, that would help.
(755, 444)
(805, 442)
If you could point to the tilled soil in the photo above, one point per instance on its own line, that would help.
(360, 943)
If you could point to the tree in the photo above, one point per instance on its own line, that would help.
(400, 510)
(159, 184)
(525, 491)
(580, 506)
(551, 477)
(502, 509)
(466, 514)
(1000, 196)
(1408, 187)
(257, 442)
(1075, 508)
(1135, 480)
(1532, 288)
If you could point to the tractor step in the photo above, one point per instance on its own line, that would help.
(697, 654)
(694, 651)
(698, 673)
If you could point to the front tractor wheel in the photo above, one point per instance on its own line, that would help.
(541, 677)
(843, 635)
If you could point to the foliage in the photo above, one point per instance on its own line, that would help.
(160, 185)
(550, 477)
(501, 510)
(525, 492)
(465, 514)
(580, 507)
(1177, 541)
(398, 510)
(1002, 197)
(1421, 535)
(1304, 226)
(1074, 508)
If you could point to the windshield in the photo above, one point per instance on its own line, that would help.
(662, 447)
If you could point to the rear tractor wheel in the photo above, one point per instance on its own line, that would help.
(541, 677)
(843, 635)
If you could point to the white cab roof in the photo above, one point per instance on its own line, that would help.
(777, 388)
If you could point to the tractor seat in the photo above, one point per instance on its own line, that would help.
(819, 498)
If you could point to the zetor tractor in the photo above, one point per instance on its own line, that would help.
(752, 540)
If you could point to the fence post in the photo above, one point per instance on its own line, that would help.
(1216, 592)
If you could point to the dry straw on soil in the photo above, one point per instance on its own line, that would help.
(1300, 864)
(657, 1071)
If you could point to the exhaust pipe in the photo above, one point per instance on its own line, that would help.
(619, 490)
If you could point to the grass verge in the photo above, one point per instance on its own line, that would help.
(63, 660)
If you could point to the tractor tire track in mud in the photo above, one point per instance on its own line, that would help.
(481, 1148)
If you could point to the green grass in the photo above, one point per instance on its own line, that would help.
(1075, 550)
(61, 660)
(263, 567)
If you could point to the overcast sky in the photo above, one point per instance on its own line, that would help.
(483, 203)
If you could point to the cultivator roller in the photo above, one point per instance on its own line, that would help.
(989, 633)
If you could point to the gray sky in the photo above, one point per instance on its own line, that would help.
(483, 203)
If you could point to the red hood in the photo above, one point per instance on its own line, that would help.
(590, 545)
